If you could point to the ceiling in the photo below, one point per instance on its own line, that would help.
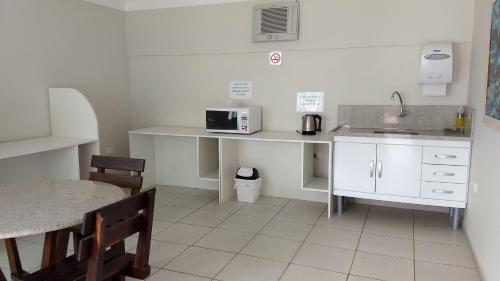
(134, 5)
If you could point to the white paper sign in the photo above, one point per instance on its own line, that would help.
(275, 58)
(240, 89)
(310, 102)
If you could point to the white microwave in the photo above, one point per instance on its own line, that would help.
(235, 120)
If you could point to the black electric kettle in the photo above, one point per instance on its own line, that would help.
(311, 123)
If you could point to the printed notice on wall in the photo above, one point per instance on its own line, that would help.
(310, 102)
(240, 89)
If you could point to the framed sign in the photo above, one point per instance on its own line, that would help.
(493, 93)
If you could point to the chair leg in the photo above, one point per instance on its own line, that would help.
(15, 265)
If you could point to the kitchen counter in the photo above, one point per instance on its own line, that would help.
(422, 134)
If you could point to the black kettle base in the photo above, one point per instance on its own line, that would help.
(307, 133)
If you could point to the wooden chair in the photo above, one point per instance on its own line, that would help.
(134, 166)
(101, 254)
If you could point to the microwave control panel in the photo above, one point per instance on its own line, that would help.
(244, 122)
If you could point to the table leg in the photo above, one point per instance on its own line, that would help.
(2, 277)
(15, 265)
(55, 247)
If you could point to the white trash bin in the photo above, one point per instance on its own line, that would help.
(247, 184)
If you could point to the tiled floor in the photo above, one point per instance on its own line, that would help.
(196, 239)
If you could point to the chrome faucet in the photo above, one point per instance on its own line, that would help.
(402, 112)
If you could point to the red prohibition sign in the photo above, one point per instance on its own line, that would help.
(275, 58)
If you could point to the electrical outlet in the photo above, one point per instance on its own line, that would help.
(110, 150)
(475, 187)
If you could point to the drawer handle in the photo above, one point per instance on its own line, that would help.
(442, 156)
(443, 174)
(442, 191)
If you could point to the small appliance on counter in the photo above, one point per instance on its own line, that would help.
(311, 123)
(235, 120)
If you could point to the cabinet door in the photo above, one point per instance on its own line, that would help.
(354, 166)
(398, 169)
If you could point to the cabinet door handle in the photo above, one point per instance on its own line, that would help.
(379, 169)
(372, 166)
(443, 174)
(442, 156)
(442, 191)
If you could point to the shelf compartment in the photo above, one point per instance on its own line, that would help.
(208, 158)
(315, 167)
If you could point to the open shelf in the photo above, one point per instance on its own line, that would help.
(315, 167)
(208, 158)
(317, 184)
(210, 175)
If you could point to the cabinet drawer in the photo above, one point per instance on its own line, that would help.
(443, 191)
(446, 156)
(443, 173)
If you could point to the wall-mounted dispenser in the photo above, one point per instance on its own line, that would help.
(436, 68)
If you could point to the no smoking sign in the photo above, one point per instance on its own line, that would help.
(275, 58)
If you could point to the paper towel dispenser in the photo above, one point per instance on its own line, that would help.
(436, 68)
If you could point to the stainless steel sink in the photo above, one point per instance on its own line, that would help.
(395, 131)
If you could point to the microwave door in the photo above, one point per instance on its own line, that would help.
(222, 120)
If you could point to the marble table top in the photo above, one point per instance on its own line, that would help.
(29, 208)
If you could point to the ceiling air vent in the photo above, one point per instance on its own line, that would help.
(276, 22)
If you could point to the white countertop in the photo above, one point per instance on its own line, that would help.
(29, 208)
(36, 145)
(281, 136)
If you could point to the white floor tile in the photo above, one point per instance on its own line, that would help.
(200, 262)
(287, 229)
(188, 201)
(440, 235)
(457, 255)
(301, 273)
(166, 275)
(382, 267)
(353, 218)
(272, 248)
(244, 223)
(225, 240)
(269, 200)
(256, 210)
(229, 207)
(171, 213)
(245, 268)
(182, 233)
(163, 252)
(425, 271)
(386, 245)
(303, 204)
(301, 215)
(389, 226)
(339, 238)
(324, 257)
(206, 218)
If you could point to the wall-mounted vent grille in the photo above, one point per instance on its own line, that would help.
(276, 22)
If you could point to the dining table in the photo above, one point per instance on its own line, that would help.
(49, 207)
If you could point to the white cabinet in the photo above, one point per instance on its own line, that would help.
(378, 168)
(354, 166)
(426, 172)
(398, 169)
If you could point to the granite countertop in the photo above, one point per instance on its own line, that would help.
(30, 208)
(422, 134)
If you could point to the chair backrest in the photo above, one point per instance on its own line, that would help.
(109, 226)
(134, 166)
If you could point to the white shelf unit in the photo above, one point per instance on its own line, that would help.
(63, 155)
(192, 157)
(316, 166)
(208, 158)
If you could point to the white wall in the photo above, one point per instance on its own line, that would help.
(62, 43)
(357, 51)
(482, 222)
